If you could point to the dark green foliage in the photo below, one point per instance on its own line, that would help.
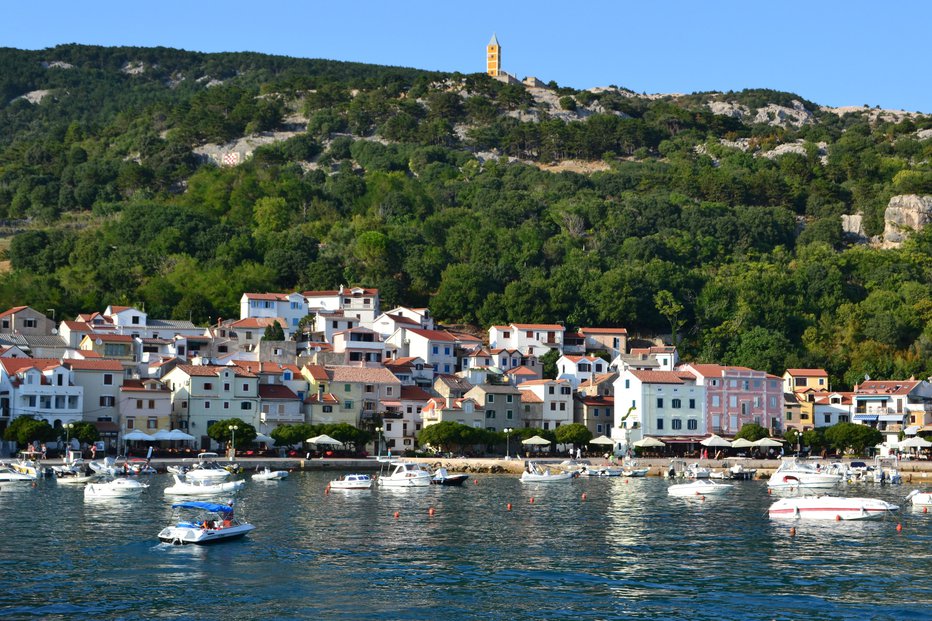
(274, 332)
(220, 432)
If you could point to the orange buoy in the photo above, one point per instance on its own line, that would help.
(837, 518)
(792, 531)
(703, 498)
(532, 500)
(899, 528)
(475, 481)
(431, 511)
(626, 481)
(508, 506)
(584, 496)
(396, 515)
(925, 509)
(769, 491)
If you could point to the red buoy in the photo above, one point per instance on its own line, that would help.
(837, 518)
(475, 481)
(430, 511)
(899, 528)
(396, 515)
(584, 496)
(792, 532)
(509, 506)
(532, 500)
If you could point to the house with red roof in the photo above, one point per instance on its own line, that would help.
(436, 347)
(667, 405)
(528, 338)
(204, 394)
(579, 369)
(556, 403)
(411, 371)
(101, 379)
(800, 380)
(144, 404)
(500, 404)
(892, 405)
(736, 396)
(289, 307)
(401, 423)
(359, 346)
(596, 413)
(26, 321)
(611, 340)
(502, 359)
(464, 411)
(121, 347)
(43, 388)
(359, 302)
(347, 394)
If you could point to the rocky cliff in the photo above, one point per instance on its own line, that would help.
(905, 213)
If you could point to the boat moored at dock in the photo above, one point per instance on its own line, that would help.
(837, 508)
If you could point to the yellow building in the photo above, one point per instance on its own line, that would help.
(493, 58)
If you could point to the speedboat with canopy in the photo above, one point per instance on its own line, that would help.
(202, 523)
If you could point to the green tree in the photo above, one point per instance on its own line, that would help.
(221, 432)
(26, 429)
(549, 363)
(752, 432)
(576, 434)
(851, 437)
(291, 435)
(83, 432)
(671, 310)
(274, 332)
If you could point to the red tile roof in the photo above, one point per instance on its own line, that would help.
(119, 309)
(13, 310)
(94, 365)
(15, 365)
(522, 370)
(888, 387)
(539, 326)
(277, 392)
(347, 292)
(110, 338)
(414, 393)
(808, 372)
(434, 335)
(78, 326)
(598, 401)
(317, 372)
(267, 296)
(603, 330)
(544, 382)
(212, 370)
(135, 385)
(529, 397)
(269, 368)
(402, 319)
(657, 377)
(366, 375)
(328, 398)
(258, 322)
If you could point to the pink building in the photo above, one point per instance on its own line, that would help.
(736, 396)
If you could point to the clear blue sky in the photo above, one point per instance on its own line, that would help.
(831, 52)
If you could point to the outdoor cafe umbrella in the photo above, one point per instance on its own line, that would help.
(261, 437)
(715, 441)
(162, 434)
(177, 434)
(915, 442)
(767, 442)
(536, 440)
(602, 440)
(742, 443)
(139, 435)
(323, 439)
(648, 442)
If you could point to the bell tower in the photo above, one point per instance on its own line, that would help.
(493, 57)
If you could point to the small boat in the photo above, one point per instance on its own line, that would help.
(207, 469)
(793, 474)
(198, 487)
(8, 474)
(352, 481)
(27, 462)
(920, 499)
(405, 474)
(835, 508)
(137, 466)
(106, 466)
(442, 477)
(116, 488)
(536, 473)
(695, 471)
(699, 487)
(212, 523)
(267, 474)
(600, 471)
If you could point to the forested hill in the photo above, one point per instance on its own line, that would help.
(716, 214)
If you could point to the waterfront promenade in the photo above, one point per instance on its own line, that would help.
(917, 471)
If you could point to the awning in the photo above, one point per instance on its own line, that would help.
(391, 404)
(891, 418)
(867, 418)
(106, 427)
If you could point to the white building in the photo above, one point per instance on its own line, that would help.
(579, 369)
(358, 302)
(663, 404)
(39, 387)
(291, 307)
(556, 402)
(436, 348)
(528, 338)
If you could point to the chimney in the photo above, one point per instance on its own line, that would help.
(320, 392)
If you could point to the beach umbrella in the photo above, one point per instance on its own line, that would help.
(648, 442)
(536, 441)
(177, 434)
(742, 443)
(915, 442)
(602, 440)
(162, 434)
(138, 435)
(323, 439)
(768, 442)
(715, 441)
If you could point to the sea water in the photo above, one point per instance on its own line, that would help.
(624, 551)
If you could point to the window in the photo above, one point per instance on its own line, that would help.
(660, 402)
(388, 426)
(509, 414)
(506, 334)
(152, 423)
(490, 398)
(249, 336)
(490, 413)
(692, 424)
(130, 423)
(692, 404)
(108, 379)
(446, 351)
(135, 320)
(29, 323)
(106, 401)
(676, 404)
(595, 412)
(627, 384)
(226, 405)
(716, 401)
(348, 405)
(347, 387)
(207, 405)
(245, 405)
(733, 401)
(328, 408)
(509, 398)
(553, 406)
(659, 423)
(828, 419)
(562, 406)
(208, 386)
(676, 424)
(789, 416)
(151, 404)
(550, 390)
(138, 404)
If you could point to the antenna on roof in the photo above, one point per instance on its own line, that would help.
(867, 377)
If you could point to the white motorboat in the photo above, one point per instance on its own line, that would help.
(405, 474)
(835, 508)
(207, 469)
(116, 488)
(537, 473)
(600, 471)
(794, 474)
(27, 462)
(8, 474)
(212, 523)
(699, 488)
(695, 471)
(886, 470)
(136, 465)
(106, 466)
(920, 499)
(267, 474)
(352, 481)
(198, 487)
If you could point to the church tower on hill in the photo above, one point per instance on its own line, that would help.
(493, 58)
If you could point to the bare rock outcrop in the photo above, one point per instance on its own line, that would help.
(905, 213)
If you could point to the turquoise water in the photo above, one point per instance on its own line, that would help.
(628, 551)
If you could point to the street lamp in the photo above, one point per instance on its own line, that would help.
(68, 427)
(378, 430)
(507, 431)
(233, 429)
